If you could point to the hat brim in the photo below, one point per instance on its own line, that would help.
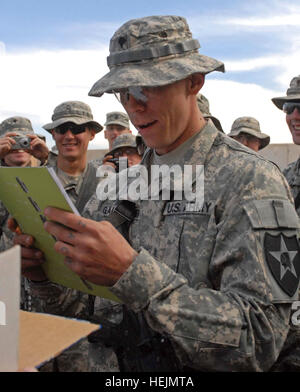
(216, 122)
(280, 101)
(76, 120)
(263, 137)
(117, 123)
(120, 146)
(155, 73)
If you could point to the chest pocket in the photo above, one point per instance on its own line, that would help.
(191, 240)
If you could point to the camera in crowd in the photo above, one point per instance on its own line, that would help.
(22, 143)
(116, 161)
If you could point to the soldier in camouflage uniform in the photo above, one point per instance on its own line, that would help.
(246, 130)
(290, 104)
(117, 123)
(124, 146)
(72, 128)
(17, 126)
(205, 286)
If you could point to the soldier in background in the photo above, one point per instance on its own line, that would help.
(117, 123)
(196, 279)
(203, 105)
(72, 128)
(290, 105)
(21, 157)
(21, 127)
(246, 130)
(289, 359)
(124, 146)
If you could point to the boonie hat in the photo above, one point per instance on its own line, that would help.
(203, 105)
(292, 93)
(16, 124)
(250, 126)
(153, 51)
(126, 140)
(72, 111)
(118, 118)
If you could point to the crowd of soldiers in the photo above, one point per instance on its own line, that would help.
(207, 288)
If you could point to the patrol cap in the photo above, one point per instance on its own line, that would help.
(250, 126)
(203, 105)
(73, 111)
(126, 140)
(292, 93)
(118, 118)
(16, 124)
(153, 51)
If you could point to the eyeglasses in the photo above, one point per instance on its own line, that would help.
(289, 107)
(126, 151)
(139, 93)
(74, 128)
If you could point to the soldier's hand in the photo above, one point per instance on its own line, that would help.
(38, 148)
(95, 251)
(6, 144)
(31, 258)
(106, 162)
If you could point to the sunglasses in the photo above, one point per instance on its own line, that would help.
(74, 128)
(289, 107)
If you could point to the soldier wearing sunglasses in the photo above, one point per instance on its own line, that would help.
(72, 128)
(290, 105)
(289, 358)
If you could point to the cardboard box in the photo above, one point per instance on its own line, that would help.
(30, 339)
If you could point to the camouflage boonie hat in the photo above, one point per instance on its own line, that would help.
(118, 118)
(126, 140)
(203, 105)
(73, 111)
(250, 126)
(153, 51)
(292, 93)
(16, 124)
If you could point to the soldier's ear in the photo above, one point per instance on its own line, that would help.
(53, 134)
(196, 82)
(92, 134)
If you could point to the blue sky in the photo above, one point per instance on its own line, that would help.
(54, 51)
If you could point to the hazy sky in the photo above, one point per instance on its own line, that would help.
(54, 51)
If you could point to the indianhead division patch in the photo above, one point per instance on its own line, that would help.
(283, 258)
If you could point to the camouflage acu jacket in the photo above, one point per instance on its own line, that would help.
(217, 279)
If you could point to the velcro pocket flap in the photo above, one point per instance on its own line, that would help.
(272, 214)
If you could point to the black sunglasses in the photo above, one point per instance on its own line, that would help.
(289, 107)
(74, 128)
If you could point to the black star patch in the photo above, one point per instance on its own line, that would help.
(283, 258)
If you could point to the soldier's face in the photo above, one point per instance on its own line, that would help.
(164, 119)
(293, 122)
(72, 146)
(19, 158)
(112, 131)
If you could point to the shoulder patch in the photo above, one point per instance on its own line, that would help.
(283, 258)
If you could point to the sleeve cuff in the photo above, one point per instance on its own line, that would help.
(144, 279)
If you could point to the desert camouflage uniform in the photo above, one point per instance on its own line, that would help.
(201, 278)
